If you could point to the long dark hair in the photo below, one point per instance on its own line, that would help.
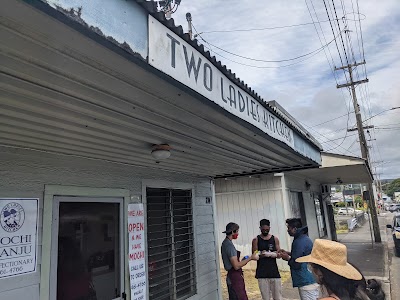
(348, 289)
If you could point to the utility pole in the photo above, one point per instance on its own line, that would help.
(189, 20)
(363, 142)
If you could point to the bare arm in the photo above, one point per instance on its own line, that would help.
(254, 245)
(236, 264)
(278, 248)
(277, 245)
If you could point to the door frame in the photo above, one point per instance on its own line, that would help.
(50, 223)
(55, 231)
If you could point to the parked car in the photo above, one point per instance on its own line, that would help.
(386, 206)
(395, 226)
(394, 207)
(345, 211)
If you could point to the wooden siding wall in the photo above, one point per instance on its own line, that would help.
(246, 201)
(25, 173)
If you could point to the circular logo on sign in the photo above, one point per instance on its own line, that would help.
(12, 217)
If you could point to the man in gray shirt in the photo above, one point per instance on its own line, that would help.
(232, 264)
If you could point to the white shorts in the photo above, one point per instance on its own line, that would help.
(270, 286)
(309, 292)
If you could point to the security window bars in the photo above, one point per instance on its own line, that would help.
(319, 211)
(170, 244)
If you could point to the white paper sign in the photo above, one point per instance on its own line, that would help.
(175, 57)
(137, 261)
(18, 236)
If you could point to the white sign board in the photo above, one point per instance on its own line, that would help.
(137, 261)
(175, 57)
(18, 236)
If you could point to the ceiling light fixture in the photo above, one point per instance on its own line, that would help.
(161, 151)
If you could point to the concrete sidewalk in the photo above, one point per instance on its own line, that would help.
(370, 258)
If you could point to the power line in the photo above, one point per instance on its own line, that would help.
(329, 141)
(393, 108)
(362, 41)
(355, 141)
(364, 90)
(332, 119)
(388, 129)
(338, 138)
(254, 66)
(197, 33)
(331, 68)
(340, 31)
(320, 26)
(269, 61)
(264, 28)
(333, 32)
(395, 124)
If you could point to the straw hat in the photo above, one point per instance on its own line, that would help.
(332, 256)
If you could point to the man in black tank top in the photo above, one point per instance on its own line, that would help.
(267, 273)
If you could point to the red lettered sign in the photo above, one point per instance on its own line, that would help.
(137, 258)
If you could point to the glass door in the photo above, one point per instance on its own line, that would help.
(90, 250)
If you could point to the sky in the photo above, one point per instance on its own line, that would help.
(307, 88)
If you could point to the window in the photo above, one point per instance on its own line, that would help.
(297, 206)
(319, 211)
(170, 244)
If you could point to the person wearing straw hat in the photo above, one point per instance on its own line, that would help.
(233, 264)
(328, 263)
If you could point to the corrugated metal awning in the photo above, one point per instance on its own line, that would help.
(63, 92)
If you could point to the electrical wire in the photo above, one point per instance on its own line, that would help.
(394, 108)
(323, 35)
(363, 89)
(355, 141)
(394, 124)
(333, 32)
(211, 50)
(269, 61)
(264, 28)
(340, 31)
(341, 116)
(389, 129)
(209, 47)
(324, 142)
(331, 67)
(259, 67)
(323, 136)
(366, 75)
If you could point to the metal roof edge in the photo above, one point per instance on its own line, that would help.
(342, 155)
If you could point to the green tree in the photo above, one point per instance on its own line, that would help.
(392, 187)
(359, 201)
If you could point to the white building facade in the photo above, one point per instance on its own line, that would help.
(275, 197)
(304, 194)
(89, 91)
